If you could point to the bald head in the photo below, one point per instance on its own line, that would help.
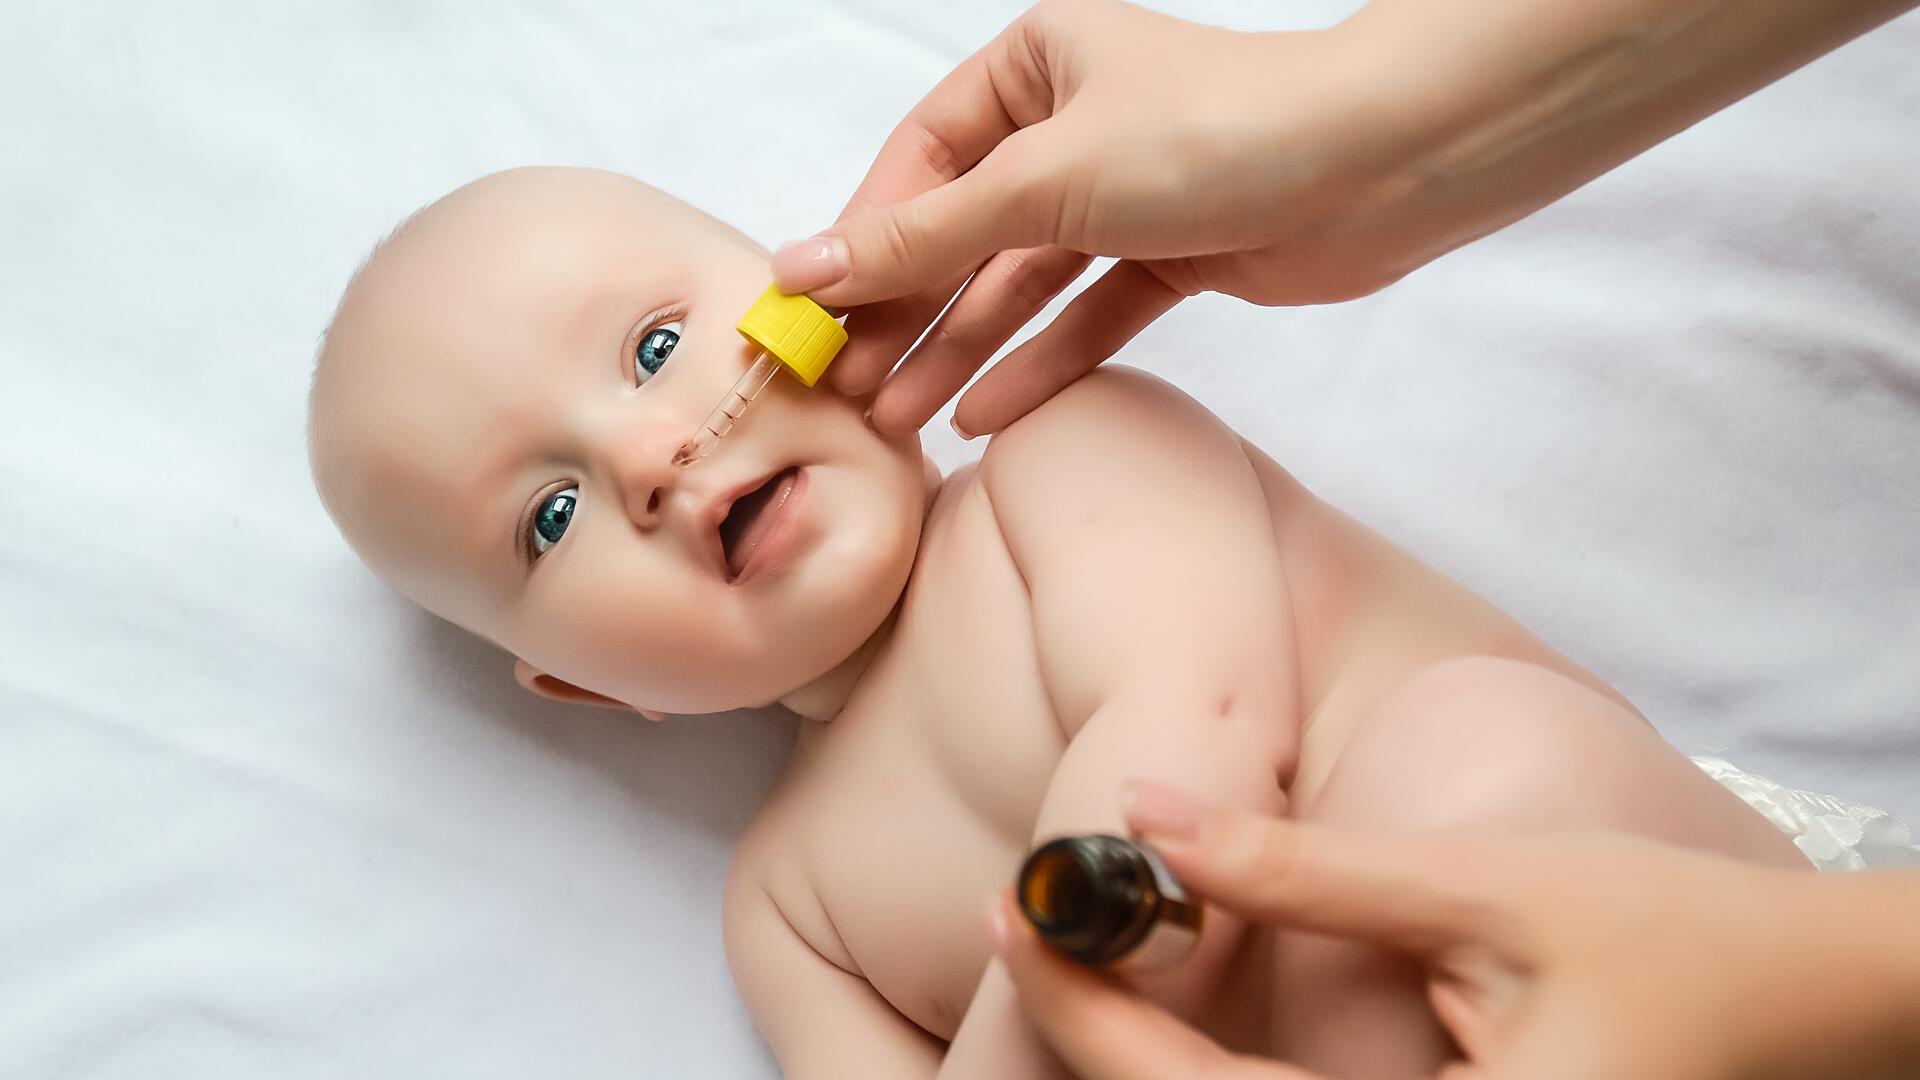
(405, 387)
(494, 421)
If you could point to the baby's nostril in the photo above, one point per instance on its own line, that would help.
(653, 502)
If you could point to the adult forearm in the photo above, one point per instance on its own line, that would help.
(1487, 111)
(1849, 1006)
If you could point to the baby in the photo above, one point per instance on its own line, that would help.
(1121, 587)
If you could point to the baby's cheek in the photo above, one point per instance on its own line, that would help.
(580, 622)
(827, 415)
(691, 648)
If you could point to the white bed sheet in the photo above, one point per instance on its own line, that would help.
(259, 818)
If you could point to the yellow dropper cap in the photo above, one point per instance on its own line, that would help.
(795, 331)
(791, 332)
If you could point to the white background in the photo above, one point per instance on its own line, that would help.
(258, 818)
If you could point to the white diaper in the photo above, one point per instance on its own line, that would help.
(1834, 833)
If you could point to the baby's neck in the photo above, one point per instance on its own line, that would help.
(822, 699)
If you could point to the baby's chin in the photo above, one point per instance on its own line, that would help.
(844, 592)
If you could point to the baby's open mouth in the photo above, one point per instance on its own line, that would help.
(752, 517)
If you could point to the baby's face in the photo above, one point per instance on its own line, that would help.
(494, 422)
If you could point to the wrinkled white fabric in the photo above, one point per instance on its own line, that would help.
(1831, 832)
(258, 818)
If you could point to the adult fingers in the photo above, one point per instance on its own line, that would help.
(1002, 296)
(1107, 315)
(1417, 893)
(882, 252)
(1102, 1031)
(878, 335)
(996, 91)
(1002, 87)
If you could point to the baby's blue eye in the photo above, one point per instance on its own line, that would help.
(551, 520)
(652, 352)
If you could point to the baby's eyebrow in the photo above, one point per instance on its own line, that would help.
(595, 307)
(516, 543)
(492, 495)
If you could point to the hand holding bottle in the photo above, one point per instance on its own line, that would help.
(1586, 957)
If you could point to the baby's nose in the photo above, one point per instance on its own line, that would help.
(646, 503)
(646, 474)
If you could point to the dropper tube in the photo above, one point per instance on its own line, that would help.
(791, 332)
(728, 412)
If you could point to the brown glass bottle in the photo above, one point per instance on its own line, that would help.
(1104, 900)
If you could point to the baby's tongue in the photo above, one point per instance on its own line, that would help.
(752, 515)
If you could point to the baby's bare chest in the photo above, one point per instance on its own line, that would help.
(923, 796)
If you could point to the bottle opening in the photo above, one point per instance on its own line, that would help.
(1057, 889)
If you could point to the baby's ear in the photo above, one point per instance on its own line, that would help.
(545, 685)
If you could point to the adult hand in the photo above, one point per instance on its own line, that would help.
(1548, 956)
(1204, 158)
(1282, 168)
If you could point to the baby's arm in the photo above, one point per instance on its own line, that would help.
(1164, 633)
(822, 1021)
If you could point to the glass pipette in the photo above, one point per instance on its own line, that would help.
(793, 333)
(728, 412)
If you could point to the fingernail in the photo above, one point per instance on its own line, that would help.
(803, 265)
(1157, 811)
(965, 435)
(997, 924)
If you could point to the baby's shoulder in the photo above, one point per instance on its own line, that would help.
(1112, 402)
(1112, 434)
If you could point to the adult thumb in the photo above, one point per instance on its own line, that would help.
(882, 252)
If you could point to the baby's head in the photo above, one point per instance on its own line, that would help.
(494, 415)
